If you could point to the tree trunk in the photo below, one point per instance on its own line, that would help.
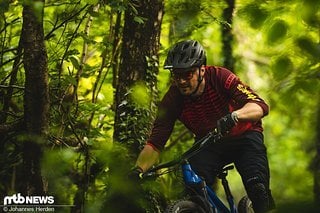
(317, 162)
(138, 66)
(139, 63)
(36, 98)
(227, 36)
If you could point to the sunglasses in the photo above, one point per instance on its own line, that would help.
(185, 75)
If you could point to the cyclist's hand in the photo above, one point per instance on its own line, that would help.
(225, 124)
(135, 174)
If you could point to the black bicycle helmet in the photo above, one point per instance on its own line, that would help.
(185, 54)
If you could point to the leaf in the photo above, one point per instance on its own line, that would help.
(93, 2)
(72, 52)
(123, 103)
(308, 46)
(310, 12)
(71, 80)
(75, 62)
(255, 14)
(310, 86)
(140, 95)
(4, 6)
(282, 67)
(138, 19)
(38, 9)
(277, 31)
(93, 13)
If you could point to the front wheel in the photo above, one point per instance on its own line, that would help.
(245, 205)
(184, 206)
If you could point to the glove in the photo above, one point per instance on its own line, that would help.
(135, 173)
(225, 124)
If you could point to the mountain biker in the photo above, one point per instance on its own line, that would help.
(206, 97)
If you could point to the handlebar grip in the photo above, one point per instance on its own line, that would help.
(149, 176)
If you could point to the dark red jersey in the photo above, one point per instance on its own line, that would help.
(223, 93)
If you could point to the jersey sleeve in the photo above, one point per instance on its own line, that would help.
(167, 114)
(238, 91)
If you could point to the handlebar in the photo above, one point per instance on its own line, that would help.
(212, 137)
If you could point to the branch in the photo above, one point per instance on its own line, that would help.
(11, 87)
(64, 22)
(7, 24)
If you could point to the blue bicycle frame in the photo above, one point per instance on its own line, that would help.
(190, 177)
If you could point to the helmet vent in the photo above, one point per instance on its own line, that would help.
(182, 56)
(193, 51)
(185, 46)
(200, 55)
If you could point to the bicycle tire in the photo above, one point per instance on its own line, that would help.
(184, 206)
(245, 205)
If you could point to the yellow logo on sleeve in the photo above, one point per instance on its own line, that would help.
(248, 93)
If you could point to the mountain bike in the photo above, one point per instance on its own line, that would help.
(204, 198)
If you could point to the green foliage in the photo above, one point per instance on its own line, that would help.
(58, 167)
(140, 95)
(277, 50)
(4, 7)
(277, 31)
(308, 46)
(255, 14)
(291, 47)
(135, 122)
(282, 67)
(310, 12)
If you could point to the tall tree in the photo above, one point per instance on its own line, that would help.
(136, 91)
(139, 66)
(36, 98)
(317, 162)
(227, 36)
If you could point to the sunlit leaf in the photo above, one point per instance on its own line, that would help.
(37, 7)
(72, 52)
(310, 12)
(140, 95)
(75, 62)
(308, 46)
(310, 86)
(139, 19)
(71, 80)
(277, 31)
(282, 67)
(93, 2)
(255, 14)
(94, 13)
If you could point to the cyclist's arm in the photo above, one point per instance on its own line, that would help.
(147, 157)
(167, 114)
(250, 112)
(244, 95)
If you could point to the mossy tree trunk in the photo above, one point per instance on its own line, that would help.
(227, 35)
(36, 98)
(317, 162)
(139, 65)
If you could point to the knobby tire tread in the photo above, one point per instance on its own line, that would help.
(245, 205)
(184, 206)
